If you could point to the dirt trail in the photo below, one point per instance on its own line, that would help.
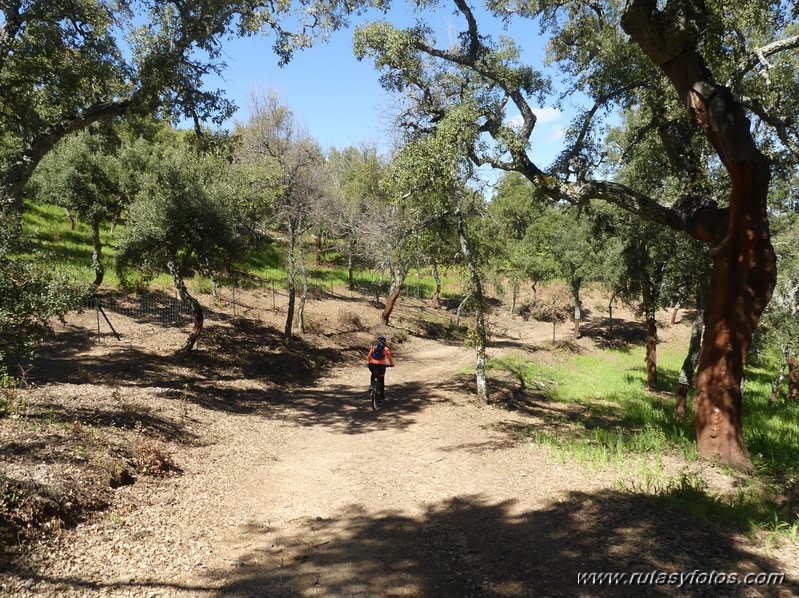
(431, 496)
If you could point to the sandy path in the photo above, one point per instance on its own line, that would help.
(430, 496)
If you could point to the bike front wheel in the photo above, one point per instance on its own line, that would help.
(375, 393)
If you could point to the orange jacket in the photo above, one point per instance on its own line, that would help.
(387, 354)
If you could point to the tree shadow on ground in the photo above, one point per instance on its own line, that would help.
(625, 334)
(244, 350)
(630, 413)
(280, 380)
(468, 546)
(349, 411)
(120, 416)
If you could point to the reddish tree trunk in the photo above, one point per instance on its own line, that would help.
(740, 286)
(744, 272)
(651, 354)
(394, 293)
(793, 379)
(392, 299)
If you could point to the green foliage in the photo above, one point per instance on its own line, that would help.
(778, 329)
(32, 291)
(82, 175)
(185, 213)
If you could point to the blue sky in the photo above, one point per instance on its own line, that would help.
(339, 99)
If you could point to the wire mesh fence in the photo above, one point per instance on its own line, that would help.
(159, 308)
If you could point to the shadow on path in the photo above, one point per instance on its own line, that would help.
(470, 547)
(349, 411)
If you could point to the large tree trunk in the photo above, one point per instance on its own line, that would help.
(741, 283)
(394, 293)
(479, 315)
(97, 254)
(744, 271)
(196, 308)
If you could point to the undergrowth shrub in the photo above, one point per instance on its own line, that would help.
(151, 457)
(349, 320)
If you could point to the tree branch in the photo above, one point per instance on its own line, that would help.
(759, 56)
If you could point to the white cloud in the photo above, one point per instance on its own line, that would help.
(543, 116)
(547, 115)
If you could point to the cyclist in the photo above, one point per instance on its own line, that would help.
(377, 358)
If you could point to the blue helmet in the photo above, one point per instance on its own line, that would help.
(381, 338)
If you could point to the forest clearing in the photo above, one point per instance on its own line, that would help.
(247, 469)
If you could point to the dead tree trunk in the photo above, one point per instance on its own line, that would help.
(744, 263)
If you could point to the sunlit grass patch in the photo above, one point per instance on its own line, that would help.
(615, 421)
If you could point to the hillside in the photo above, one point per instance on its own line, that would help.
(249, 469)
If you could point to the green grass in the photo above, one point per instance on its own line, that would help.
(69, 249)
(618, 415)
(611, 419)
(72, 250)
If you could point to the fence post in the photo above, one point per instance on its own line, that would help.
(273, 295)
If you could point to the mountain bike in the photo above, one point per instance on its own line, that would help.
(377, 391)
